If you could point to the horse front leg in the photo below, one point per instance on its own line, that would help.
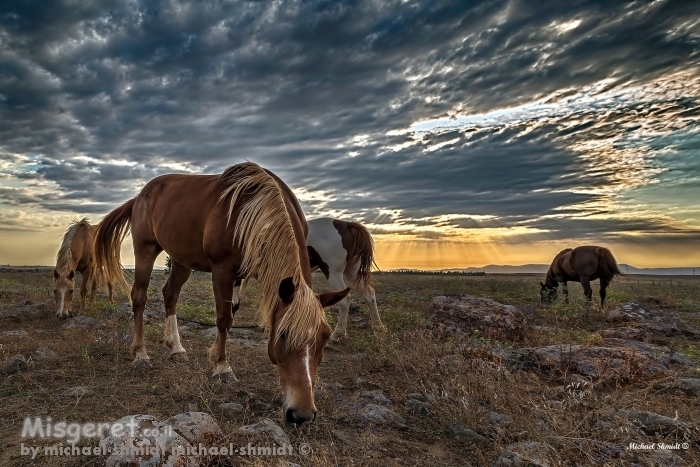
(335, 279)
(223, 281)
(565, 290)
(171, 292)
(83, 290)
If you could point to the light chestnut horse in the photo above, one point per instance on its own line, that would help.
(230, 224)
(582, 264)
(76, 254)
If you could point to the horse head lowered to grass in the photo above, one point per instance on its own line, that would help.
(582, 264)
(243, 220)
(76, 254)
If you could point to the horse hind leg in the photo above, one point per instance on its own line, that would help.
(145, 256)
(223, 283)
(367, 294)
(93, 288)
(603, 293)
(587, 290)
(85, 280)
(171, 292)
(371, 300)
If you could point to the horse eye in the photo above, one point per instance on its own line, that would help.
(282, 336)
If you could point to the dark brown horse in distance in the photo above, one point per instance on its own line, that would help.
(582, 264)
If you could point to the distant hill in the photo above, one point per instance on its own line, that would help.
(542, 269)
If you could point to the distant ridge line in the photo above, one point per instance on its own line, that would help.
(542, 269)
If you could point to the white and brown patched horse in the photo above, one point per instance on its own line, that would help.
(341, 249)
(76, 254)
(230, 224)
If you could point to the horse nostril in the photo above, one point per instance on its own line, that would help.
(289, 417)
(295, 418)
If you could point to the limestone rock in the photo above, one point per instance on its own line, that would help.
(465, 435)
(528, 454)
(476, 315)
(380, 415)
(267, 428)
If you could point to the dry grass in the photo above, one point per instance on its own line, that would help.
(466, 380)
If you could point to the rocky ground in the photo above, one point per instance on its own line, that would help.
(472, 371)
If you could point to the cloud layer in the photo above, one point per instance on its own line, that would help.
(500, 121)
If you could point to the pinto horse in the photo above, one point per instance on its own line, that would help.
(344, 249)
(230, 224)
(582, 264)
(76, 254)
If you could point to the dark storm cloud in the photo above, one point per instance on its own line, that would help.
(99, 97)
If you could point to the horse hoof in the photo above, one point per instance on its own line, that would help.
(336, 338)
(228, 377)
(331, 346)
(379, 327)
(141, 363)
(179, 357)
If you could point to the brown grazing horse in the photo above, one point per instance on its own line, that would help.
(582, 264)
(245, 219)
(76, 254)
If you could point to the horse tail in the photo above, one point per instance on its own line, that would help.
(607, 265)
(363, 247)
(111, 232)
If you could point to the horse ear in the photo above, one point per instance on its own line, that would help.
(331, 298)
(71, 274)
(56, 275)
(287, 289)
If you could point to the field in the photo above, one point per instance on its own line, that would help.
(468, 382)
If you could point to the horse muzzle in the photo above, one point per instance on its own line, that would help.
(295, 418)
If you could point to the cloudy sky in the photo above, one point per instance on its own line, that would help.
(460, 132)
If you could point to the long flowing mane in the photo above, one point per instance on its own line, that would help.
(551, 279)
(64, 256)
(270, 250)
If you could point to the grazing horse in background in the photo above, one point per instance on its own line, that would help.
(344, 249)
(76, 254)
(582, 264)
(243, 220)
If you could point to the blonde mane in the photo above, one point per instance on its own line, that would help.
(270, 251)
(64, 257)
